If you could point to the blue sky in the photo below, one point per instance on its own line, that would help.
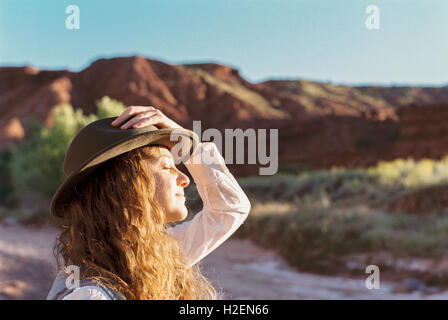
(324, 40)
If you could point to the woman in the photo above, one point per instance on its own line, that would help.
(121, 196)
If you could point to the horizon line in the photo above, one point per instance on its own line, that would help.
(272, 78)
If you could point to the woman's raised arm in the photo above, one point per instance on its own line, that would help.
(225, 205)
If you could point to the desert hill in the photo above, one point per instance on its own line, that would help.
(320, 124)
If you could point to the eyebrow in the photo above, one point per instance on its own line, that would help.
(159, 159)
(164, 157)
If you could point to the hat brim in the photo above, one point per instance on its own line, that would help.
(65, 191)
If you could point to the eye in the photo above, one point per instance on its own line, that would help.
(167, 165)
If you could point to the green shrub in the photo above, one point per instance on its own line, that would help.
(317, 239)
(36, 163)
(5, 176)
(107, 107)
(411, 173)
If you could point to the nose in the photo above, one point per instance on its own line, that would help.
(182, 180)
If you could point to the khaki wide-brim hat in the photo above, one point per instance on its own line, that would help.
(100, 141)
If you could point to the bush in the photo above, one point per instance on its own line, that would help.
(107, 107)
(321, 188)
(36, 163)
(411, 173)
(318, 239)
(5, 176)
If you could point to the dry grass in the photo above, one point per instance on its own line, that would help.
(316, 218)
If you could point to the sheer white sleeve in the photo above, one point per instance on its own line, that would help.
(225, 205)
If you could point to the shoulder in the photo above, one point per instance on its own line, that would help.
(88, 293)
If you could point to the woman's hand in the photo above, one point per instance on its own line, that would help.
(142, 117)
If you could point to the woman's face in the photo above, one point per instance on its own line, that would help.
(170, 184)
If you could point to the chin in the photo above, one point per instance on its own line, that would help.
(177, 215)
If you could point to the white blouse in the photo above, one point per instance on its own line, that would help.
(225, 209)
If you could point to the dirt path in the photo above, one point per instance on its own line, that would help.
(238, 269)
(246, 271)
(26, 261)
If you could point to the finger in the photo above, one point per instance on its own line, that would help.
(129, 112)
(126, 114)
(136, 119)
(155, 121)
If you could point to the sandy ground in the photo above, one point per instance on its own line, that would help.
(238, 269)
